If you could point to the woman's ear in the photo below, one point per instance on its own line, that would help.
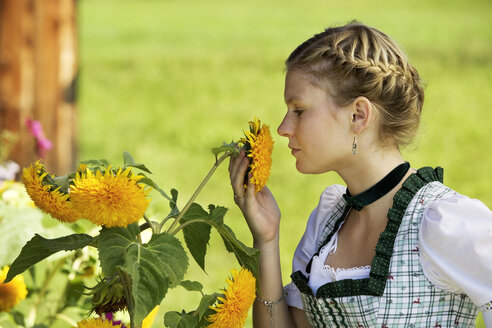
(362, 112)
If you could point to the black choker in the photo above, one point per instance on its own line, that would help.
(378, 190)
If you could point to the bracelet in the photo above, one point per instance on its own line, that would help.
(269, 305)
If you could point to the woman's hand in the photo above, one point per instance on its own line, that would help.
(260, 210)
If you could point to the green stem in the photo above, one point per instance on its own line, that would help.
(198, 190)
(187, 223)
(164, 222)
(34, 310)
(127, 287)
(144, 226)
(150, 223)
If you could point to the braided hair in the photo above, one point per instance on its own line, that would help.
(357, 60)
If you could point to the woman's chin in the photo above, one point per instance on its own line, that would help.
(302, 169)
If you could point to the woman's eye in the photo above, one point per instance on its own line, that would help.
(298, 112)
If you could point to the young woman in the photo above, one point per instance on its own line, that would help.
(395, 247)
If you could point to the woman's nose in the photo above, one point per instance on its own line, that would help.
(285, 128)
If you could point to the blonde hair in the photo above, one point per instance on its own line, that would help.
(357, 60)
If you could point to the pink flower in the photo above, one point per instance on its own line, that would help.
(36, 130)
(110, 317)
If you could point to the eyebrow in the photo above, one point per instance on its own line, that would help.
(292, 99)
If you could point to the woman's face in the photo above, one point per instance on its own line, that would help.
(318, 130)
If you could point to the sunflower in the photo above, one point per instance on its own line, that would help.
(233, 308)
(96, 323)
(108, 296)
(259, 147)
(12, 292)
(50, 199)
(110, 199)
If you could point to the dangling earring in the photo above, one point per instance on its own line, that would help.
(354, 146)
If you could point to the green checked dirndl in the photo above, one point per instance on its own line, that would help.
(396, 294)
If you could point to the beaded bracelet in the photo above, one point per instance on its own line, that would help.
(269, 305)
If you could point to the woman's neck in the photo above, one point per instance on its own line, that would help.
(363, 173)
(365, 170)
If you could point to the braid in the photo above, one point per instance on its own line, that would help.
(356, 60)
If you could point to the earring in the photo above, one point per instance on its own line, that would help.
(354, 146)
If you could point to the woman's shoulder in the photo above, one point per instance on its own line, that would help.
(455, 242)
(455, 217)
(332, 195)
(455, 208)
(328, 202)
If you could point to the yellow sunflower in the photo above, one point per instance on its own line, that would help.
(239, 296)
(109, 199)
(96, 323)
(12, 292)
(54, 202)
(259, 147)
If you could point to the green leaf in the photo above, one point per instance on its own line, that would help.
(226, 147)
(197, 234)
(203, 310)
(39, 248)
(173, 203)
(246, 256)
(197, 318)
(141, 166)
(175, 319)
(92, 162)
(149, 182)
(61, 182)
(192, 286)
(112, 243)
(129, 161)
(153, 267)
(18, 225)
(95, 163)
(74, 290)
(18, 318)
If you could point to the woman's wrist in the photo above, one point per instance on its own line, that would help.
(268, 245)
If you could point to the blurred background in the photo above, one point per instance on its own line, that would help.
(167, 80)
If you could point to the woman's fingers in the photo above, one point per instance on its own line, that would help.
(234, 163)
(250, 192)
(237, 170)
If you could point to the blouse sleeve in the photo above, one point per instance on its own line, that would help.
(310, 239)
(455, 242)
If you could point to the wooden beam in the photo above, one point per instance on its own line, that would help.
(38, 70)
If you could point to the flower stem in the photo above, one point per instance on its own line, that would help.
(198, 190)
(164, 222)
(127, 285)
(150, 224)
(31, 318)
(187, 223)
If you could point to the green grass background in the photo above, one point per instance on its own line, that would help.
(168, 80)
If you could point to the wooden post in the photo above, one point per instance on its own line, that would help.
(38, 70)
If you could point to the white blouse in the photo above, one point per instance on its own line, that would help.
(455, 243)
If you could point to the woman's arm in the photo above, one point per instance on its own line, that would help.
(263, 218)
(271, 290)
